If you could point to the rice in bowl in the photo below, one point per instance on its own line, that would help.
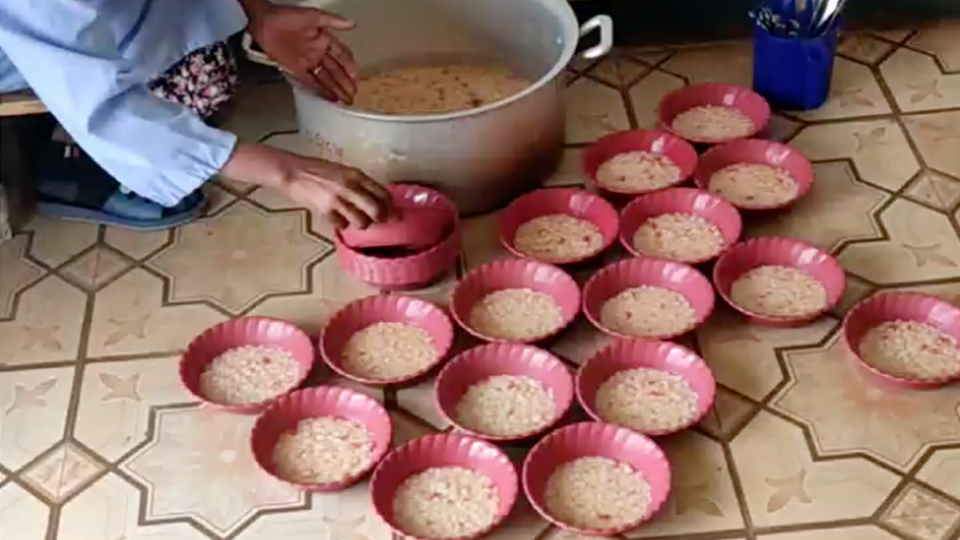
(323, 450)
(713, 123)
(779, 291)
(754, 185)
(911, 350)
(445, 502)
(647, 400)
(597, 493)
(389, 350)
(638, 171)
(679, 237)
(648, 311)
(249, 374)
(557, 238)
(506, 405)
(522, 314)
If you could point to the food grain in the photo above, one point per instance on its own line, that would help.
(506, 405)
(911, 350)
(558, 238)
(638, 171)
(779, 291)
(754, 185)
(389, 350)
(323, 450)
(249, 374)
(679, 237)
(597, 493)
(647, 400)
(522, 314)
(648, 311)
(445, 502)
(712, 123)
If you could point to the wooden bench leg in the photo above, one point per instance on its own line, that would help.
(20, 138)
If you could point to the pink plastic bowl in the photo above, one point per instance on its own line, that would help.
(743, 99)
(480, 363)
(364, 312)
(757, 152)
(641, 353)
(708, 206)
(515, 274)
(886, 307)
(417, 227)
(599, 439)
(413, 271)
(573, 202)
(253, 331)
(617, 277)
(443, 450)
(674, 148)
(764, 251)
(321, 401)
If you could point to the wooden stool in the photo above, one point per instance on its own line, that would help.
(12, 168)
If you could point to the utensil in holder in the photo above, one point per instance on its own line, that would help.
(794, 72)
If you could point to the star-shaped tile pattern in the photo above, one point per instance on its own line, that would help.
(920, 514)
(17, 272)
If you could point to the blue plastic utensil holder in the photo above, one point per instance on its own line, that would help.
(793, 72)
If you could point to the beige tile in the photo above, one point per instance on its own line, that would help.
(848, 411)
(942, 471)
(921, 515)
(940, 40)
(407, 427)
(22, 516)
(917, 82)
(936, 190)
(272, 199)
(129, 318)
(856, 290)
(346, 515)
(618, 70)
(109, 510)
(838, 209)
(593, 110)
(702, 499)
(949, 291)
(923, 245)
(96, 267)
(212, 259)
(56, 240)
(780, 129)
(865, 532)
(730, 413)
(568, 172)
(864, 48)
(17, 272)
(854, 91)
(523, 524)
(373, 391)
(217, 199)
(647, 94)
(649, 55)
(47, 324)
(726, 62)
(937, 136)
(33, 408)
(136, 244)
(894, 35)
(332, 289)
(196, 451)
(579, 342)
(116, 399)
(481, 241)
(419, 401)
(878, 148)
(65, 470)
(783, 485)
(744, 356)
(252, 121)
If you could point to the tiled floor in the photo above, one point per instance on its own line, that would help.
(99, 442)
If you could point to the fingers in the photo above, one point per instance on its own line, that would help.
(355, 217)
(340, 83)
(344, 56)
(337, 221)
(325, 19)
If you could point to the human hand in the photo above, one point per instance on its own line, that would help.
(301, 41)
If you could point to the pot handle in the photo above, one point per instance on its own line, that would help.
(605, 24)
(253, 54)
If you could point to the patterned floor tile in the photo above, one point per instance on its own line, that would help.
(96, 267)
(923, 245)
(18, 272)
(864, 48)
(728, 62)
(618, 70)
(22, 516)
(783, 485)
(137, 244)
(918, 83)
(56, 241)
(848, 412)
(33, 409)
(646, 95)
(854, 91)
(481, 243)
(593, 110)
(730, 413)
(877, 148)
(210, 260)
(702, 499)
(568, 172)
(937, 136)
(47, 327)
(63, 471)
(866, 532)
(942, 471)
(919, 514)
(129, 317)
(936, 190)
(940, 40)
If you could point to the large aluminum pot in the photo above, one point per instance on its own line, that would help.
(480, 158)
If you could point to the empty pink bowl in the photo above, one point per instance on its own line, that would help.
(480, 363)
(606, 148)
(900, 306)
(443, 450)
(765, 251)
(572, 202)
(715, 209)
(414, 270)
(642, 353)
(756, 151)
(364, 312)
(317, 402)
(637, 272)
(514, 274)
(741, 98)
(240, 332)
(589, 439)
